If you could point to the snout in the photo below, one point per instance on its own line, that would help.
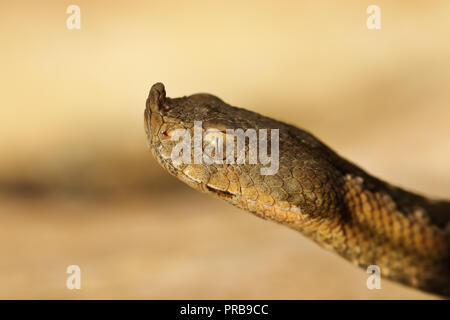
(154, 106)
(156, 98)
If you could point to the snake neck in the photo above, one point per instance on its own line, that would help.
(405, 234)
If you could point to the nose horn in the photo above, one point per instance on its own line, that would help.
(156, 97)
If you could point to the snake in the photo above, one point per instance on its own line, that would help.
(315, 191)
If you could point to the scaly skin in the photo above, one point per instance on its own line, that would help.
(315, 191)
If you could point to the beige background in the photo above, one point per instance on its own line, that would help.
(78, 185)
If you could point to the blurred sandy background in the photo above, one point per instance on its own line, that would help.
(78, 185)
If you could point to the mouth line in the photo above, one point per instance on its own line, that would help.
(220, 193)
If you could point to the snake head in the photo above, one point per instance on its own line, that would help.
(202, 140)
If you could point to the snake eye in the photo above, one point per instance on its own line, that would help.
(214, 142)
